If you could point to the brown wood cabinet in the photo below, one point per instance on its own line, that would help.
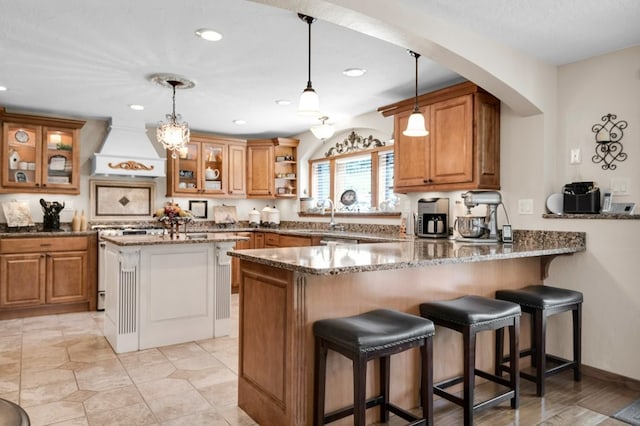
(462, 149)
(209, 165)
(272, 168)
(40, 154)
(235, 262)
(47, 275)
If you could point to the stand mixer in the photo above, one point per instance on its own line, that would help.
(476, 228)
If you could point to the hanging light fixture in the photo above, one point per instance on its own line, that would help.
(173, 134)
(309, 101)
(322, 131)
(415, 125)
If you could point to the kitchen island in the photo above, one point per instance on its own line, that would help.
(284, 291)
(162, 291)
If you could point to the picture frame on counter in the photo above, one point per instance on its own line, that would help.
(198, 208)
(121, 200)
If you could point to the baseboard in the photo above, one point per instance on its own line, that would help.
(607, 376)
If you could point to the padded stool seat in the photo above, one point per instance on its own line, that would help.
(12, 414)
(470, 315)
(542, 301)
(375, 334)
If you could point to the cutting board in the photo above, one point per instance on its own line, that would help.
(225, 214)
(17, 213)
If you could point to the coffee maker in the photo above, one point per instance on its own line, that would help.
(432, 220)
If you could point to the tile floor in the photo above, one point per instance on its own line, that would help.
(62, 371)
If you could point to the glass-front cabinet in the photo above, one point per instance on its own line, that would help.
(205, 167)
(40, 154)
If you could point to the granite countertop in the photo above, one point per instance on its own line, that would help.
(40, 233)
(194, 238)
(348, 258)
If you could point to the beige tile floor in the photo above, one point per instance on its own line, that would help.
(62, 371)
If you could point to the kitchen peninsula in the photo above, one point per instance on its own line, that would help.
(284, 291)
(162, 290)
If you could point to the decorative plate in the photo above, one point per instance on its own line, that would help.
(348, 197)
(21, 136)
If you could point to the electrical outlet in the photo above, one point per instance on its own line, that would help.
(576, 158)
(525, 206)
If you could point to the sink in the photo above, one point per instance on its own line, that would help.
(197, 236)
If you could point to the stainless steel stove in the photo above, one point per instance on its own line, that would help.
(116, 231)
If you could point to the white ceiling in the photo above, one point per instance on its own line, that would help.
(92, 58)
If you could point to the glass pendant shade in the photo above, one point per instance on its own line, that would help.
(309, 103)
(415, 125)
(323, 131)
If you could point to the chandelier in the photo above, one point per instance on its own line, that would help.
(415, 125)
(309, 101)
(322, 131)
(173, 133)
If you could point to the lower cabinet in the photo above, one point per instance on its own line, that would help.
(40, 276)
(235, 262)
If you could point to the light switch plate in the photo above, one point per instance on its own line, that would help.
(525, 206)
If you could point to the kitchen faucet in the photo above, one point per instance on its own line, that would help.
(333, 226)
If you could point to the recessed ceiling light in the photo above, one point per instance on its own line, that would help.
(239, 122)
(354, 72)
(2, 88)
(136, 107)
(208, 34)
(283, 102)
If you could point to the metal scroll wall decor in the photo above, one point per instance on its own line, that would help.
(609, 141)
(354, 143)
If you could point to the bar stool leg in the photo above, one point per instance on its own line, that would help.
(514, 361)
(359, 390)
(469, 342)
(384, 388)
(426, 381)
(499, 355)
(319, 382)
(577, 342)
(540, 350)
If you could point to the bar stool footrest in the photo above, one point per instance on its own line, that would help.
(439, 389)
(347, 411)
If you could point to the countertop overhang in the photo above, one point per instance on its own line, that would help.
(195, 238)
(350, 258)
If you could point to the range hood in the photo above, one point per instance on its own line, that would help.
(128, 151)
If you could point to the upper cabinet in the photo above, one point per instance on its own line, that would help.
(40, 154)
(272, 168)
(462, 149)
(209, 165)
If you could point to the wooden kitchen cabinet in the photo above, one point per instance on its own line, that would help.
(40, 154)
(209, 165)
(462, 149)
(272, 168)
(40, 276)
(235, 262)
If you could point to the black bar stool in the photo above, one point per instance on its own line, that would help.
(542, 301)
(12, 414)
(470, 315)
(376, 334)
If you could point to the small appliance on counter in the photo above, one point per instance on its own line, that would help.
(581, 197)
(479, 229)
(432, 220)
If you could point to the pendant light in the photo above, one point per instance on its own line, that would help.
(322, 131)
(173, 134)
(415, 125)
(309, 101)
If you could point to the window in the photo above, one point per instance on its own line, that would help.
(369, 174)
